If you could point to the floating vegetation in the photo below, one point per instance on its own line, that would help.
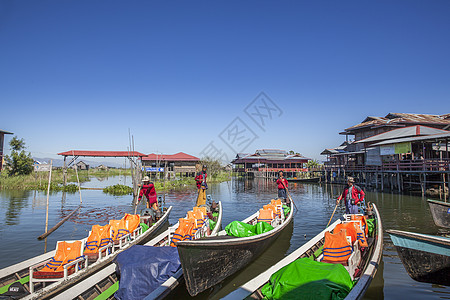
(70, 188)
(118, 190)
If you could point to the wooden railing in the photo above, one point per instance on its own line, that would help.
(428, 165)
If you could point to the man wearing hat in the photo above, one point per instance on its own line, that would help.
(201, 186)
(148, 189)
(352, 195)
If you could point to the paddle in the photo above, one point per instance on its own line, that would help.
(289, 195)
(333, 212)
(137, 200)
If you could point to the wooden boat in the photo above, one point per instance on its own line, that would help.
(440, 212)
(106, 282)
(425, 257)
(366, 262)
(206, 262)
(311, 180)
(40, 289)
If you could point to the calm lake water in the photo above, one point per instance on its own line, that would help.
(22, 220)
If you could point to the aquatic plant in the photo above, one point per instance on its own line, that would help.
(118, 189)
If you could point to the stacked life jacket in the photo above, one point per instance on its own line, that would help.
(336, 248)
(274, 208)
(266, 215)
(361, 229)
(66, 252)
(184, 231)
(124, 226)
(199, 220)
(100, 236)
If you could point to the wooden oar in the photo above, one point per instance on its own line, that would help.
(137, 201)
(333, 213)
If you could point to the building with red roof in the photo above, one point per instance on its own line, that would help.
(175, 163)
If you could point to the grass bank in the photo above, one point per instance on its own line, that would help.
(39, 181)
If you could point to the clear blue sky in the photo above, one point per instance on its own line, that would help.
(79, 74)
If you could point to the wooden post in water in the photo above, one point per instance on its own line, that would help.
(78, 180)
(48, 195)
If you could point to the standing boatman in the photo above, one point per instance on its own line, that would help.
(202, 186)
(352, 195)
(282, 186)
(148, 189)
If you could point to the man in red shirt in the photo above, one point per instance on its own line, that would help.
(200, 180)
(351, 195)
(148, 189)
(282, 186)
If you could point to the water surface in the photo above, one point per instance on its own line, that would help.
(22, 220)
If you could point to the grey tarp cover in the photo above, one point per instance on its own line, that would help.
(143, 269)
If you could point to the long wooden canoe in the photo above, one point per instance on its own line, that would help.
(20, 272)
(440, 212)
(425, 257)
(206, 262)
(313, 249)
(105, 283)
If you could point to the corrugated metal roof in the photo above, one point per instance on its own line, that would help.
(410, 131)
(180, 156)
(433, 137)
(101, 153)
(399, 119)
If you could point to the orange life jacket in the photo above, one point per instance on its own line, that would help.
(274, 208)
(118, 229)
(276, 202)
(100, 236)
(350, 229)
(199, 218)
(66, 252)
(132, 222)
(363, 222)
(361, 237)
(184, 231)
(266, 215)
(336, 248)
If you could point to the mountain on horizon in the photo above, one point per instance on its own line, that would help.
(92, 164)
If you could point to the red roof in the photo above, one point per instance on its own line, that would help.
(180, 156)
(101, 153)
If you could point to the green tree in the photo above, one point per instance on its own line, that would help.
(214, 165)
(312, 164)
(18, 163)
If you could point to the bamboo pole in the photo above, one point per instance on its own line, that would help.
(43, 236)
(78, 180)
(48, 195)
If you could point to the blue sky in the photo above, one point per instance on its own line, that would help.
(80, 74)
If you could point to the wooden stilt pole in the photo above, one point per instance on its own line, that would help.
(48, 195)
(78, 180)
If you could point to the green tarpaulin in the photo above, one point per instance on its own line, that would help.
(371, 226)
(144, 227)
(212, 224)
(241, 229)
(286, 210)
(308, 279)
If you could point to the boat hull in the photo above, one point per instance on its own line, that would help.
(209, 261)
(425, 258)
(440, 212)
(311, 180)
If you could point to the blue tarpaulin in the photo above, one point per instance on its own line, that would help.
(142, 269)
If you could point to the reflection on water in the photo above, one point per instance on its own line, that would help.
(17, 200)
(22, 219)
